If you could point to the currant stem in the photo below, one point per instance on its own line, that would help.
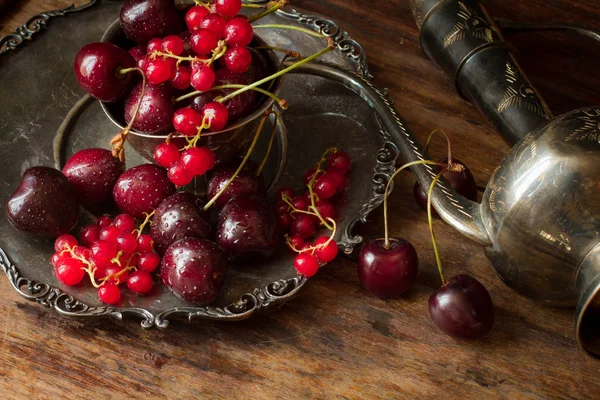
(447, 139)
(270, 146)
(387, 191)
(279, 73)
(241, 166)
(143, 224)
(248, 5)
(278, 5)
(430, 219)
(289, 27)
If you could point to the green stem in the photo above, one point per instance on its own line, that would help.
(277, 6)
(447, 140)
(269, 147)
(282, 103)
(289, 27)
(430, 219)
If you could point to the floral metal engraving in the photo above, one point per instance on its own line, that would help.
(471, 24)
(520, 93)
(590, 129)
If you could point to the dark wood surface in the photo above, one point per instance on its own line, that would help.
(334, 340)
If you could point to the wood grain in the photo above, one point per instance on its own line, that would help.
(334, 340)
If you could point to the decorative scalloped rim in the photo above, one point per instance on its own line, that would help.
(249, 303)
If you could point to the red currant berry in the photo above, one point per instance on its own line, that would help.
(203, 78)
(308, 175)
(214, 23)
(339, 161)
(102, 252)
(289, 192)
(104, 221)
(172, 44)
(138, 53)
(158, 71)
(172, 64)
(140, 282)
(125, 222)
(295, 242)
(109, 293)
(326, 252)
(325, 187)
(56, 258)
(337, 177)
(89, 235)
(132, 260)
(181, 77)
(179, 175)
(308, 198)
(186, 121)
(194, 16)
(110, 234)
(281, 207)
(141, 63)
(237, 59)
(216, 115)
(284, 220)
(148, 261)
(65, 242)
(300, 203)
(228, 8)
(69, 271)
(83, 252)
(303, 225)
(166, 154)
(118, 275)
(238, 32)
(325, 209)
(198, 160)
(153, 45)
(203, 42)
(127, 242)
(306, 264)
(145, 243)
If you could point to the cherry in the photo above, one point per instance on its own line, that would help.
(325, 187)
(462, 182)
(104, 221)
(102, 252)
(194, 269)
(237, 59)
(177, 217)
(306, 264)
(141, 189)
(239, 32)
(214, 23)
(64, 242)
(93, 174)
(97, 67)
(326, 252)
(387, 272)
(145, 243)
(247, 229)
(202, 78)
(295, 242)
(157, 71)
(194, 16)
(69, 271)
(109, 293)
(153, 45)
(289, 192)
(181, 77)
(172, 44)
(89, 235)
(156, 110)
(325, 209)
(179, 175)
(125, 223)
(148, 262)
(339, 161)
(140, 282)
(166, 154)
(462, 308)
(187, 121)
(44, 203)
(198, 160)
(142, 20)
(127, 242)
(228, 8)
(203, 42)
(110, 234)
(244, 185)
(303, 226)
(216, 115)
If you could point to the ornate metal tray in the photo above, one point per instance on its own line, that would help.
(44, 118)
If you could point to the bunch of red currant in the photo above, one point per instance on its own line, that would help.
(111, 252)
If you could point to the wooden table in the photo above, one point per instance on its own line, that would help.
(334, 340)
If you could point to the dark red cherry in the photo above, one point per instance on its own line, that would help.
(194, 269)
(462, 182)
(93, 174)
(156, 111)
(245, 184)
(97, 67)
(177, 217)
(141, 189)
(387, 272)
(462, 308)
(44, 203)
(142, 20)
(247, 229)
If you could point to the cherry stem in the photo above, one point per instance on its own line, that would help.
(289, 53)
(270, 146)
(274, 7)
(146, 222)
(281, 102)
(289, 27)
(430, 219)
(118, 140)
(387, 191)
(241, 166)
(326, 50)
(248, 5)
(447, 139)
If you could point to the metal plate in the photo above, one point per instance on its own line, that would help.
(39, 91)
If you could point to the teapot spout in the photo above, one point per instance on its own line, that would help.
(587, 313)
